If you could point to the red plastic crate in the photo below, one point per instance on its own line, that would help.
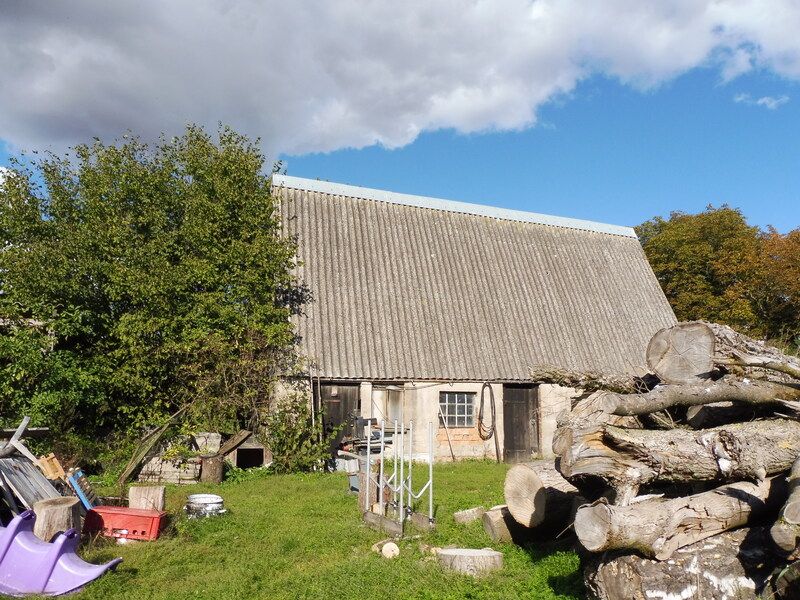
(124, 522)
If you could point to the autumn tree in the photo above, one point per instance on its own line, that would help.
(714, 266)
(779, 292)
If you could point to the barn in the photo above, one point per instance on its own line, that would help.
(423, 308)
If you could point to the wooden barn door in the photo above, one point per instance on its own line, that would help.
(339, 405)
(520, 422)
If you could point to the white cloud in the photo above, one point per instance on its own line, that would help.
(4, 174)
(320, 75)
(770, 102)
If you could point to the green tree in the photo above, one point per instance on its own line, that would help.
(708, 265)
(136, 280)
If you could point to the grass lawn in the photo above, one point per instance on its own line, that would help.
(301, 536)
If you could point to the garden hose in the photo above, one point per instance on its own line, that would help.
(489, 432)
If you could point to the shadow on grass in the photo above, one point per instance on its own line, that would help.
(566, 584)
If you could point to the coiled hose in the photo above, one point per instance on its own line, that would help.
(489, 432)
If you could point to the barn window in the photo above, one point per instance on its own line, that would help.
(458, 408)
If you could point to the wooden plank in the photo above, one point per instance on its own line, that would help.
(234, 442)
(381, 523)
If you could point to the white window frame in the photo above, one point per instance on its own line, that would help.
(458, 409)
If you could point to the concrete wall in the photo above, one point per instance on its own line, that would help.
(420, 401)
(553, 399)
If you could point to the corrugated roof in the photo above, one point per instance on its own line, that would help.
(412, 288)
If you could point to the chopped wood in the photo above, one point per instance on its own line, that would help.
(734, 565)
(724, 390)
(786, 531)
(683, 353)
(657, 528)
(535, 492)
(148, 497)
(469, 515)
(469, 561)
(56, 515)
(629, 458)
(501, 527)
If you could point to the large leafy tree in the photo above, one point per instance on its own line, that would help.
(714, 266)
(136, 281)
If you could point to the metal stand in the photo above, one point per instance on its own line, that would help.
(399, 482)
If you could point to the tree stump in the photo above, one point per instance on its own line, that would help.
(56, 515)
(469, 561)
(212, 469)
(147, 497)
(734, 565)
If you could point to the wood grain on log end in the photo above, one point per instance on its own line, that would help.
(470, 561)
(525, 495)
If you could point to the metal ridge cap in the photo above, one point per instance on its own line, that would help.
(507, 214)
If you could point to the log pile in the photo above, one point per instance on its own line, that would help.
(682, 473)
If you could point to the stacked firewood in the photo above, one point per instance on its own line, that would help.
(684, 483)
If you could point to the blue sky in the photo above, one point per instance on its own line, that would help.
(615, 110)
(608, 152)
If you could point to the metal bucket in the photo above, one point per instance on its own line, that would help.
(204, 505)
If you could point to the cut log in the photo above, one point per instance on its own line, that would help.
(469, 561)
(469, 515)
(56, 515)
(148, 497)
(501, 527)
(629, 458)
(536, 492)
(724, 390)
(786, 531)
(734, 565)
(683, 353)
(657, 528)
(212, 469)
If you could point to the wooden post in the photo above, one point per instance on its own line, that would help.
(56, 515)
(149, 497)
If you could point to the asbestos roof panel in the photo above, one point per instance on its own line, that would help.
(415, 291)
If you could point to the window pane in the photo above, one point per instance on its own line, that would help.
(458, 408)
